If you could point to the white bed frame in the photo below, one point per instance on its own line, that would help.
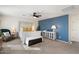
(26, 37)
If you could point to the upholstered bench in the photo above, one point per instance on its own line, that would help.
(33, 40)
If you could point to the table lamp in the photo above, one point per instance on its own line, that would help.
(54, 28)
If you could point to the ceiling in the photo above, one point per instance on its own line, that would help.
(27, 10)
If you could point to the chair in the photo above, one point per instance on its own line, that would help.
(6, 38)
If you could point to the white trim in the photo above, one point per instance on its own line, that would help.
(69, 42)
(69, 28)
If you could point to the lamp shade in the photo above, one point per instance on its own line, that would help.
(13, 29)
(53, 27)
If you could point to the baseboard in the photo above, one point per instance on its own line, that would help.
(69, 42)
(75, 40)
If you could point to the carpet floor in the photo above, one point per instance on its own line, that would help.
(46, 47)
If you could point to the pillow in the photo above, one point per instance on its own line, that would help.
(27, 29)
(6, 34)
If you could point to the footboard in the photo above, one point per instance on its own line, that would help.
(32, 42)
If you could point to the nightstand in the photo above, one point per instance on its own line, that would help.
(14, 35)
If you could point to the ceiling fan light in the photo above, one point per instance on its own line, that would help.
(34, 17)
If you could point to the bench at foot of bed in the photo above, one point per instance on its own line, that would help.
(35, 41)
(30, 42)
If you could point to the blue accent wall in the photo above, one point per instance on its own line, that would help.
(61, 24)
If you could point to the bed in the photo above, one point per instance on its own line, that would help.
(30, 38)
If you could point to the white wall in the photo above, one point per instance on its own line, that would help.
(74, 26)
(0, 23)
(9, 21)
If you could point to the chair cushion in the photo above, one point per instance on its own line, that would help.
(6, 34)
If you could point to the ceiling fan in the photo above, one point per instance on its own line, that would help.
(36, 15)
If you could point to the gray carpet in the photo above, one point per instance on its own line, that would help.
(46, 47)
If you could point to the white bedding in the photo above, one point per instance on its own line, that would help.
(33, 37)
(26, 36)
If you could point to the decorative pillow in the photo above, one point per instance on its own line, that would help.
(27, 29)
(6, 34)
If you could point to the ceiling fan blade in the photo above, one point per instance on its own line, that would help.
(36, 15)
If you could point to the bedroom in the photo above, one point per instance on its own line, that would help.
(19, 18)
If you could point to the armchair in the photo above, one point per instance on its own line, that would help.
(6, 37)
